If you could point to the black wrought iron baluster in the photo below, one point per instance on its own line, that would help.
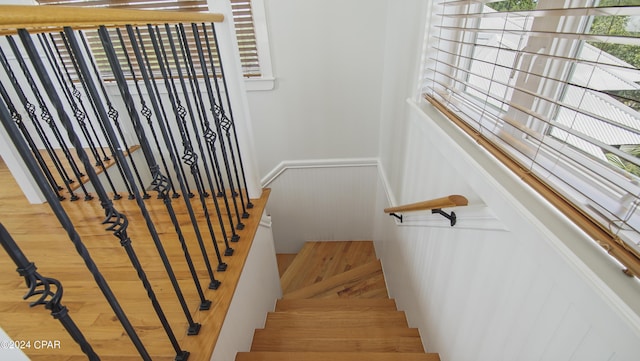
(66, 223)
(210, 137)
(233, 124)
(64, 86)
(210, 134)
(181, 111)
(115, 118)
(190, 157)
(146, 149)
(46, 116)
(160, 183)
(164, 119)
(47, 290)
(118, 225)
(76, 93)
(223, 122)
(94, 100)
(150, 80)
(146, 112)
(17, 118)
(195, 90)
(79, 114)
(31, 112)
(117, 221)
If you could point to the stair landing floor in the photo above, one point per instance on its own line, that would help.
(36, 230)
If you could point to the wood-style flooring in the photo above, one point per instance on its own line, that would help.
(335, 307)
(37, 231)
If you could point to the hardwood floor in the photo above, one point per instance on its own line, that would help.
(67, 167)
(37, 231)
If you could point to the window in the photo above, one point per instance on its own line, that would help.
(242, 17)
(552, 88)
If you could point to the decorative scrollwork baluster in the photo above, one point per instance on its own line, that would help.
(65, 221)
(209, 137)
(31, 112)
(159, 180)
(47, 290)
(48, 118)
(233, 125)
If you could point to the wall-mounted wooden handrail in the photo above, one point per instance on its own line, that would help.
(444, 202)
(52, 18)
(435, 205)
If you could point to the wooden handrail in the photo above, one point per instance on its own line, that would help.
(52, 18)
(444, 202)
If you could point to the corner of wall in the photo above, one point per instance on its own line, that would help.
(255, 295)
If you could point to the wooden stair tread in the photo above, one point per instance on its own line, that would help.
(329, 332)
(340, 304)
(336, 319)
(352, 344)
(335, 307)
(365, 281)
(319, 260)
(335, 356)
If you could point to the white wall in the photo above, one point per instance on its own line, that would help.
(481, 294)
(536, 289)
(327, 60)
(321, 200)
(255, 295)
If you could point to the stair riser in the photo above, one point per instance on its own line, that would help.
(336, 319)
(345, 333)
(393, 344)
(335, 356)
(342, 304)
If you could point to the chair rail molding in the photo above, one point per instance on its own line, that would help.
(283, 166)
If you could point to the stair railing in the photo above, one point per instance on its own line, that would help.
(63, 53)
(435, 205)
(48, 292)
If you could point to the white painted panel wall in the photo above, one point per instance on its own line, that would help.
(322, 200)
(484, 294)
(255, 295)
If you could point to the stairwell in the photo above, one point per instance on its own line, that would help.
(335, 307)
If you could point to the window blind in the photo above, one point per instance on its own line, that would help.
(552, 88)
(242, 17)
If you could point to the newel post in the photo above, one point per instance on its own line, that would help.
(237, 92)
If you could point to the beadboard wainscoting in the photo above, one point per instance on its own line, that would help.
(334, 199)
(330, 199)
(524, 293)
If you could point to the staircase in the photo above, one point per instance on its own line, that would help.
(335, 307)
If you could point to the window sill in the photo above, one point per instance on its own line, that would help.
(260, 84)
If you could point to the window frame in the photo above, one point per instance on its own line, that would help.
(456, 90)
(266, 80)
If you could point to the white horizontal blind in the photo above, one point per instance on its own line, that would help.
(556, 86)
(242, 17)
